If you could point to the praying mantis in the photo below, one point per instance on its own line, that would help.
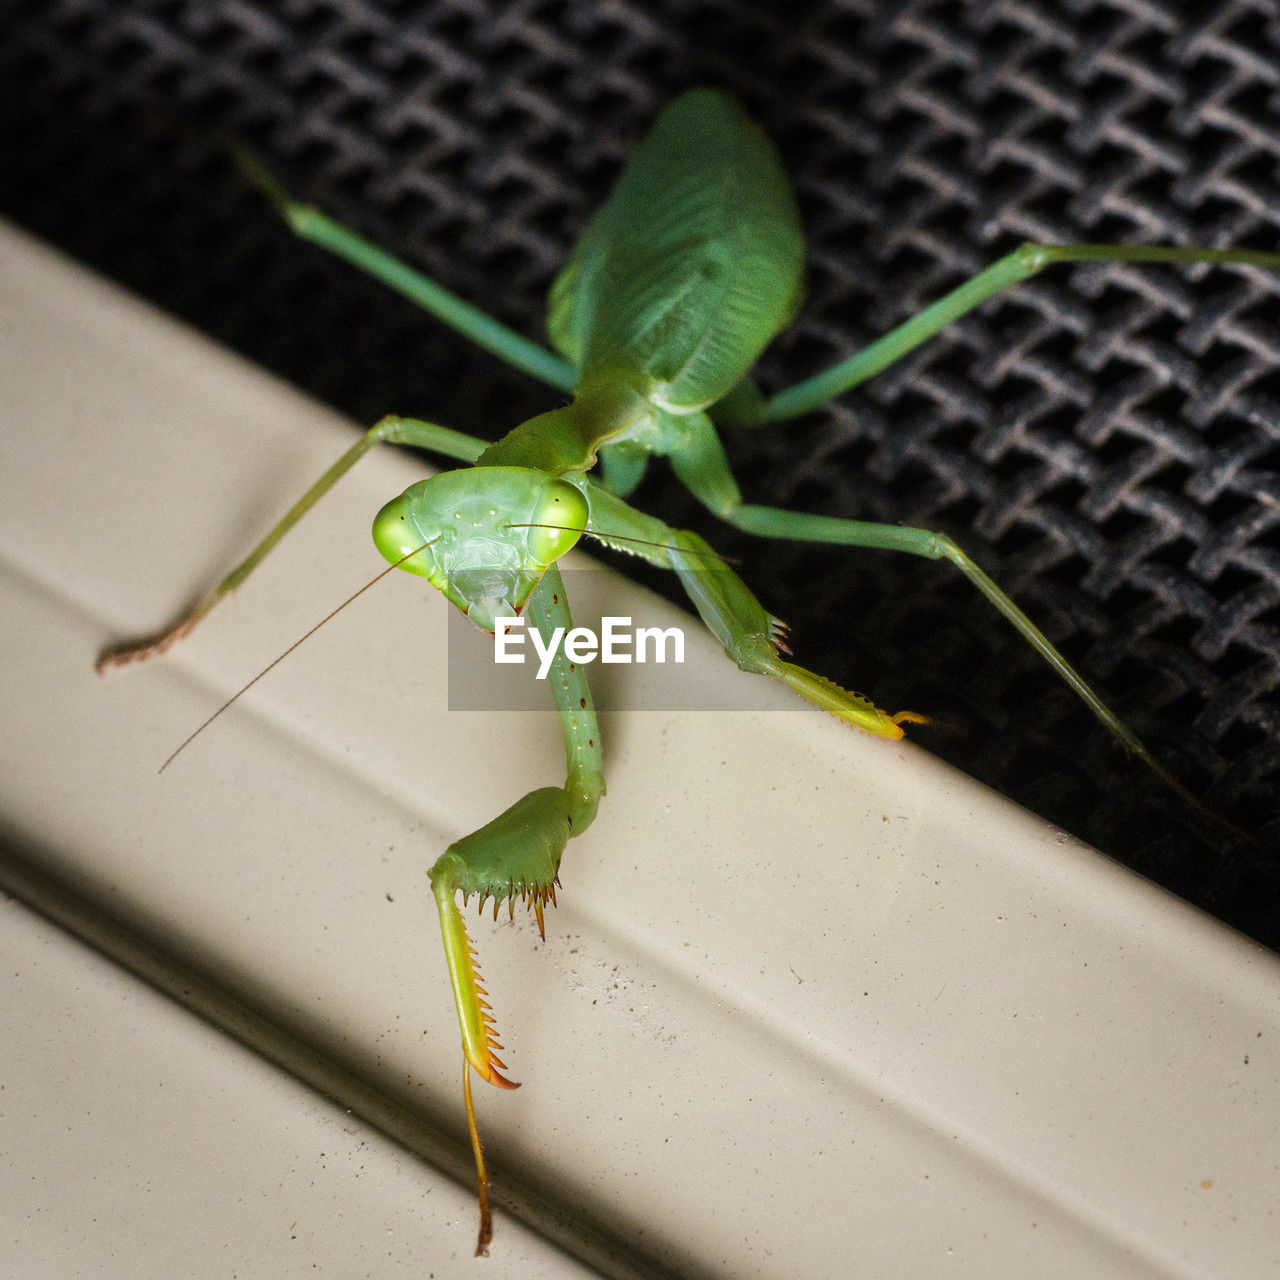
(694, 263)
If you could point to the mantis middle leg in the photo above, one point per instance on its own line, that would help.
(751, 636)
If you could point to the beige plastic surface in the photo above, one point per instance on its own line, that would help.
(139, 1141)
(812, 1005)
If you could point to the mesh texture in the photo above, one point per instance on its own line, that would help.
(1104, 440)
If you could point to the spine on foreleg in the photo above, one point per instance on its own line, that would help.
(517, 855)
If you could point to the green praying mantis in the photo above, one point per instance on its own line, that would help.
(694, 263)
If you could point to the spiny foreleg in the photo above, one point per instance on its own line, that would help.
(514, 857)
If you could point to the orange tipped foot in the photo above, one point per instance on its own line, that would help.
(910, 717)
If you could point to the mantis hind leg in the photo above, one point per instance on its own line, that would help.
(774, 523)
(1023, 263)
(311, 224)
(704, 470)
(390, 430)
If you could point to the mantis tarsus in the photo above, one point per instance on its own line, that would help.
(690, 268)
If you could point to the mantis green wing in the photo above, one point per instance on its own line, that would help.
(692, 265)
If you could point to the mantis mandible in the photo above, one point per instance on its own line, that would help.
(694, 263)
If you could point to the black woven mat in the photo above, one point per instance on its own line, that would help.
(1105, 441)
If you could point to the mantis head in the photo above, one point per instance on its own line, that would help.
(486, 534)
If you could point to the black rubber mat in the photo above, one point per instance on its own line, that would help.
(1105, 440)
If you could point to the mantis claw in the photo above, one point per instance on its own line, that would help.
(517, 855)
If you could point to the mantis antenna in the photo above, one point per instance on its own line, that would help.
(607, 537)
(235, 697)
(275, 662)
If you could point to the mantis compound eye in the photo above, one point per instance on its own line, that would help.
(558, 522)
(396, 533)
